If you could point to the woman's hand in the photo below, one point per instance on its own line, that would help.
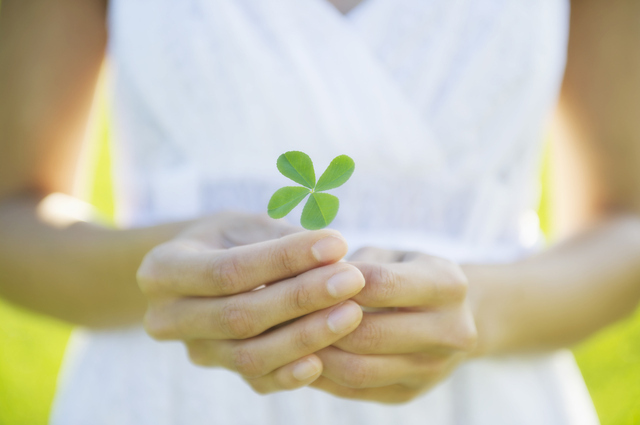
(206, 288)
(424, 330)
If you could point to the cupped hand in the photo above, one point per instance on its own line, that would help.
(420, 330)
(226, 282)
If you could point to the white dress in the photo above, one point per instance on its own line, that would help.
(441, 103)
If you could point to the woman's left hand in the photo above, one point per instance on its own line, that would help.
(421, 330)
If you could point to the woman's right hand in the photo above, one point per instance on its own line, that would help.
(204, 287)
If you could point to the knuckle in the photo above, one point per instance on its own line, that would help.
(465, 336)
(247, 363)
(225, 272)
(305, 340)
(236, 321)
(263, 220)
(300, 298)
(364, 253)
(358, 374)
(468, 340)
(199, 354)
(366, 339)
(458, 282)
(196, 322)
(145, 277)
(285, 259)
(386, 283)
(148, 275)
(157, 326)
(452, 283)
(258, 386)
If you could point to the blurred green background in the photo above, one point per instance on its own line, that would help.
(32, 346)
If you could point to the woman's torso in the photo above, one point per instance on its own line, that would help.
(441, 103)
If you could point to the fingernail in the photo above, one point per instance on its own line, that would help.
(305, 370)
(344, 317)
(328, 249)
(345, 283)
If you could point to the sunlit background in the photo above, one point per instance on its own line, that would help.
(32, 346)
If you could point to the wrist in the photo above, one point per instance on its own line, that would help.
(489, 301)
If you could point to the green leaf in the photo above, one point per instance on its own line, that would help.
(285, 199)
(319, 211)
(336, 174)
(298, 167)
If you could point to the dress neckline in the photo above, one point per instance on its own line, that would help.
(356, 9)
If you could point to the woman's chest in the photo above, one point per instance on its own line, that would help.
(441, 104)
(406, 82)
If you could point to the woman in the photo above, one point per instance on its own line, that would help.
(440, 103)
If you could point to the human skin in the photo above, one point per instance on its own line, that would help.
(50, 56)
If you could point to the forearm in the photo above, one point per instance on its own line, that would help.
(82, 273)
(560, 296)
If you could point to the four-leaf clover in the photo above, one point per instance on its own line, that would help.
(321, 208)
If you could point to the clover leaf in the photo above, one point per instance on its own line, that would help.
(336, 174)
(285, 199)
(319, 211)
(321, 208)
(298, 167)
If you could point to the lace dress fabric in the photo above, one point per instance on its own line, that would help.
(442, 105)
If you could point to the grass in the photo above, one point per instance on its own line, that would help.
(610, 364)
(31, 349)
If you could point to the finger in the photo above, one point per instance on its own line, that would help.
(290, 377)
(234, 228)
(374, 371)
(181, 267)
(252, 229)
(429, 281)
(392, 394)
(436, 332)
(263, 354)
(251, 313)
(376, 255)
